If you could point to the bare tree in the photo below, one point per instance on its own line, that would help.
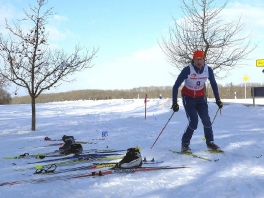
(30, 63)
(202, 28)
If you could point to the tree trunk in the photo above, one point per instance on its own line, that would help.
(33, 109)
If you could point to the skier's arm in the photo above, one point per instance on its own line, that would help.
(213, 83)
(182, 76)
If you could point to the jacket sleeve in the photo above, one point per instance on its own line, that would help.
(213, 83)
(182, 76)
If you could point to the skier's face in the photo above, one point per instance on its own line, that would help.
(198, 62)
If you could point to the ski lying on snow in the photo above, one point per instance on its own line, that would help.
(52, 168)
(143, 162)
(195, 156)
(50, 139)
(92, 174)
(59, 144)
(235, 154)
(90, 155)
(73, 162)
(56, 153)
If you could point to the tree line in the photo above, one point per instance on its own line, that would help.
(228, 91)
(5, 97)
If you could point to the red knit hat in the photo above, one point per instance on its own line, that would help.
(198, 53)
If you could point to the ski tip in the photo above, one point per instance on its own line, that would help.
(8, 183)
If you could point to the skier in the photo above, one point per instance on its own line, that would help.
(193, 100)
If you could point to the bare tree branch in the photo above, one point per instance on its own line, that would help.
(203, 29)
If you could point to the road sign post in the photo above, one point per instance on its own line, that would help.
(245, 78)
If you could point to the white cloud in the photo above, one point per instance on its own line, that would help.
(10, 13)
(55, 34)
(7, 12)
(145, 67)
(149, 55)
(60, 18)
(251, 15)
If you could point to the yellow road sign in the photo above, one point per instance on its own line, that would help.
(260, 63)
(245, 78)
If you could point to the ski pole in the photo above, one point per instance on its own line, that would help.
(215, 116)
(212, 121)
(162, 130)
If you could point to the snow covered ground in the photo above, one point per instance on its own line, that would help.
(239, 131)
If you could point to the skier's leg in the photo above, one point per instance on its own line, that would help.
(202, 109)
(191, 113)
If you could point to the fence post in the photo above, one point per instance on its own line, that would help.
(253, 95)
(146, 106)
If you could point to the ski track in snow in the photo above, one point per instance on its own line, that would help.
(238, 130)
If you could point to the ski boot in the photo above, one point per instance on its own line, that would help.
(68, 141)
(185, 148)
(132, 159)
(212, 147)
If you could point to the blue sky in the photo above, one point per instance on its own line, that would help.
(128, 33)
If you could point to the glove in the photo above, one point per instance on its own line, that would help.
(175, 107)
(219, 103)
